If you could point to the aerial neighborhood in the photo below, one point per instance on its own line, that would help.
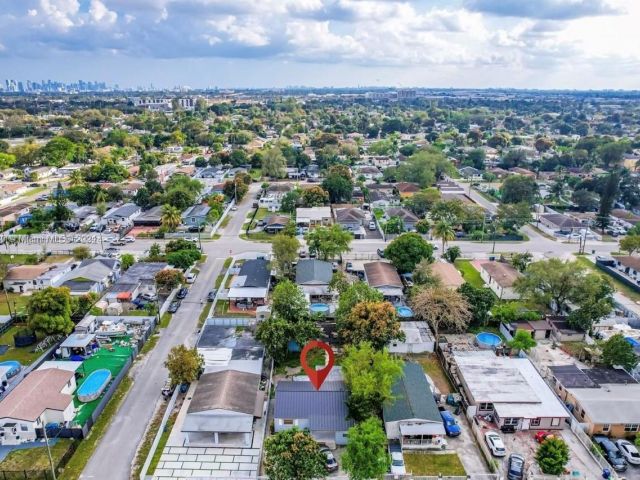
(470, 258)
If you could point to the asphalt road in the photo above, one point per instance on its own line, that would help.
(114, 455)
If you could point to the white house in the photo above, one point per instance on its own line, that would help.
(42, 397)
(500, 277)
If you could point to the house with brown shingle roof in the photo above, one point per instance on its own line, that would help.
(500, 277)
(43, 396)
(384, 277)
(448, 274)
(407, 189)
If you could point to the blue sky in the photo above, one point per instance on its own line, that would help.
(260, 43)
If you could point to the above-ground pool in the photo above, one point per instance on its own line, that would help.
(319, 308)
(488, 340)
(14, 367)
(404, 312)
(93, 385)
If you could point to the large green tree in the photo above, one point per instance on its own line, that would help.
(329, 242)
(184, 364)
(293, 454)
(366, 456)
(49, 311)
(373, 322)
(285, 252)
(369, 375)
(273, 163)
(617, 351)
(519, 188)
(352, 294)
(552, 456)
(406, 251)
(480, 301)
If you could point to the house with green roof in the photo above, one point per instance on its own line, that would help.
(412, 417)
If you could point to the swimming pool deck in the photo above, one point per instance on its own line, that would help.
(113, 359)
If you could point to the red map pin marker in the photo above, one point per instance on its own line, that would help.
(317, 377)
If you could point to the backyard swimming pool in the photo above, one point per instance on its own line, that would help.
(488, 340)
(93, 385)
(404, 312)
(319, 308)
(14, 367)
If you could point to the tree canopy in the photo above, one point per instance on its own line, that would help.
(49, 311)
(406, 251)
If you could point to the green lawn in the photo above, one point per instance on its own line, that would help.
(225, 222)
(469, 273)
(227, 263)
(149, 344)
(35, 458)
(433, 464)
(86, 448)
(24, 355)
(258, 237)
(617, 284)
(204, 314)
(260, 215)
(19, 258)
(165, 320)
(17, 301)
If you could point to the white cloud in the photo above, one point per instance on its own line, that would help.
(100, 14)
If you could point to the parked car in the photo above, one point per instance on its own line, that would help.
(118, 243)
(332, 464)
(628, 451)
(515, 467)
(234, 208)
(150, 297)
(349, 267)
(302, 254)
(380, 253)
(611, 453)
(190, 277)
(212, 295)
(196, 228)
(129, 239)
(167, 389)
(174, 306)
(495, 444)
(182, 293)
(397, 464)
(372, 225)
(450, 424)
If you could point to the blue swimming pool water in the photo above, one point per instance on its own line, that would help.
(14, 365)
(488, 340)
(319, 307)
(94, 384)
(404, 312)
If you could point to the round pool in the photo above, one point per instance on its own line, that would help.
(488, 340)
(404, 312)
(319, 308)
(93, 385)
(14, 367)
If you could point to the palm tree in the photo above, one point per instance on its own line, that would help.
(76, 178)
(170, 217)
(101, 196)
(444, 231)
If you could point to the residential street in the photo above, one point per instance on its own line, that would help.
(115, 452)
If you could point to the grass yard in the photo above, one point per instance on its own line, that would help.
(260, 215)
(35, 458)
(204, 314)
(86, 448)
(17, 301)
(617, 284)
(24, 355)
(225, 221)
(165, 320)
(431, 366)
(469, 273)
(19, 258)
(433, 464)
(149, 344)
(258, 237)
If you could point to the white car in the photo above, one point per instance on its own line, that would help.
(372, 225)
(628, 451)
(190, 277)
(129, 239)
(397, 464)
(495, 444)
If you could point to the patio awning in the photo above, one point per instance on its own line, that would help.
(249, 292)
(124, 296)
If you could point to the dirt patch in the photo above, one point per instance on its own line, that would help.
(431, 366)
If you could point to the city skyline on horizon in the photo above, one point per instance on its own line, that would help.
(543, 44)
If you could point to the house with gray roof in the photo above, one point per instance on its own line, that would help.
(409, 220)
(92, 275)
(313, 277)
(324, 412)
(252, 282)
(196, 215)
(222, 409)
(123, 215)
(413, 417)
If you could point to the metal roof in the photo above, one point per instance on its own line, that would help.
(325, 409)
(313, 271)
(226, 390)
(412, 397)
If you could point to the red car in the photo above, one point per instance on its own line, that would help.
(541, 436)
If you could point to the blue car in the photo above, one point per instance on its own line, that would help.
(450, 425)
